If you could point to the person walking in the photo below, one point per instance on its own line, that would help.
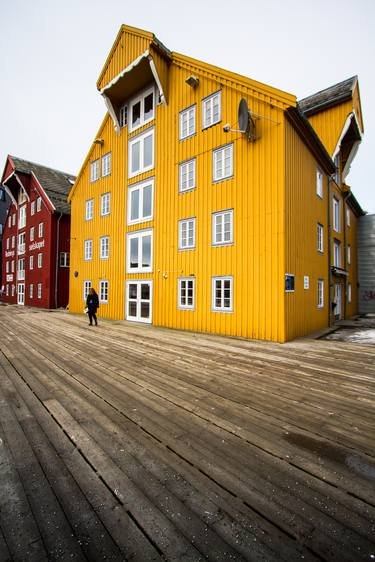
(92, 303)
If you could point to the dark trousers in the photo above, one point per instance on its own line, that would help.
(92, 316)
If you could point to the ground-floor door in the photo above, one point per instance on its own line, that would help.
(21, 293)
(338, 300)
(139, 301)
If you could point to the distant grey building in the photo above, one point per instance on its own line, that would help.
(366, 264)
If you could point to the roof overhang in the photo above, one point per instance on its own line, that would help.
(13, 177)
(348, 143)
(137, 75)
(339, 272)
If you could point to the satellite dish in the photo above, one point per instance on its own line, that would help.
(245, 121)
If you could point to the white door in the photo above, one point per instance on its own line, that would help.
(139, 301)
(337, 300)
(21, 293)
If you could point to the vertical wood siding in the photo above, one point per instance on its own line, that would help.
(329, 124)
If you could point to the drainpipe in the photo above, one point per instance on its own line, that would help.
(57, 258)
(329, 241)
(345, 255)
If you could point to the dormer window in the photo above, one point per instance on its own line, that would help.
(123, 116)
(142, 109)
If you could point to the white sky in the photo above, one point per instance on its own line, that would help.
(52, 52)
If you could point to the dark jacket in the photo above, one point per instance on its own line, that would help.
(92, 303)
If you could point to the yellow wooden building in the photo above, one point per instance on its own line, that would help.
(205, 202)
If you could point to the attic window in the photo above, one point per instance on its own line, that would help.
(141, 109)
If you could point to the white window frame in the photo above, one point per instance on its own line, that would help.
(141, 138)
(349, 293)
(39, 290)
(12, 266)
(21, 270)
(348, 216)
(336, 253)
(94, 170)
(336, 213)
(320, 288)
(105, 204)
(21, 243)
(349, 254)
(180, 304)
(31, 262)
(106, 164)
(7, 267)
(40, 230)
(32, 234)
(87, 284)
(104, 247)
(123, 116)
(13, 290)
(221, 215)
(141, 98)
(7, 290)
(189, 221)
(31, 291)
(32, 208)
(186, 170)
(8, 243)
(213, 286)
(319, 183)
(215, 153)
(22, 217)
(185, 117)
(14, 219)
(13, 241)
(140, 234)
(38, 204)
(40, 260)
(9, 221)
(140, 186)
(320, 237)
(208, 102)
(87, 250)
(89, 209)
(64, 259)
(103, 291)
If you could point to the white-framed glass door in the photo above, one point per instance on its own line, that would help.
(139, 301)
(337, 300)
(21, 293)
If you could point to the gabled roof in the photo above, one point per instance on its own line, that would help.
(328, 97)
(55, 183)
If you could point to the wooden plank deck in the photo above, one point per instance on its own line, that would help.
(129, 442)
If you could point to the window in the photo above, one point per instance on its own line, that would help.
(319, 183)
(320, 293)
(9, 221)
(141, 153)
(89, 209)
(106, 165)
(32, 208)
(222, 162)
(88, 250)
(140, 202)
(211, 110)
(13, 241)
(186, 290)
(141, 109)
(14, 219)
(7, 290)
(222, 227)
(31, 291)
(222, 294)
(186, 234)
(38, 204)
(123, 116)
(21, 269)
(21, 243)
(39, 290)
(40, 230)
(13, 290)
(349, 293)
(103, 291)
(289, 282)
(186, 176)
(7, 267)
(40, 260)
(320, 234)
(12, 268)
(22, 217)
(8, 243)
(94, 170)
(348, 217)
(336, 214)
(104, 247)
(64, 259)
(349, 254)
(31, 262)
(187, 122)
(139, 251)
(336, 253)
(32, 232)
(105, 204)
(86, 289)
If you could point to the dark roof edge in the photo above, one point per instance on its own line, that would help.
(310, 138)
(355, 206)
(326, 104)
(65, 174)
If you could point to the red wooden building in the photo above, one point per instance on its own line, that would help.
(36, 235)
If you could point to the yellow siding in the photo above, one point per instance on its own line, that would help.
(329, 124)
(357, 107)
(162, 67)
(304, 210)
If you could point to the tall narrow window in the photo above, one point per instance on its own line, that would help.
(39, 290)
(86, 289)
(8, 243)
(31, 262)
(336, 214)
(349, 254)
(88, 250)
(222, 162)
(141, 153)
(211, 110)
(139, 251)
(222, 228)
(22, 217)
(38, 204)
(106, 165)
(40, 230)
(348, 217)
(94, 170)
(187, 175)
(349, 293)
(222, 294)
(105, 204)
(186, 293)
(103, 291)
(320, 234)
(186, 234)
(40, 260)
(320, 293)
(64, 259)
(32, 208)
(22, 243)
(140, 202)
(104, 247)
(89, 209)
(32, 233)
(319, 183)
(187, 122)
(336, 253)
(123, 116)
(31, 291)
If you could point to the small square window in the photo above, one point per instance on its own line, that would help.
(289, 282)
(211, 110)
(187, 122)
(222, 163)
(222, 294)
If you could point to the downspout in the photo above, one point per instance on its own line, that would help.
(345, 256)
(57, 258)
(329, 241)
